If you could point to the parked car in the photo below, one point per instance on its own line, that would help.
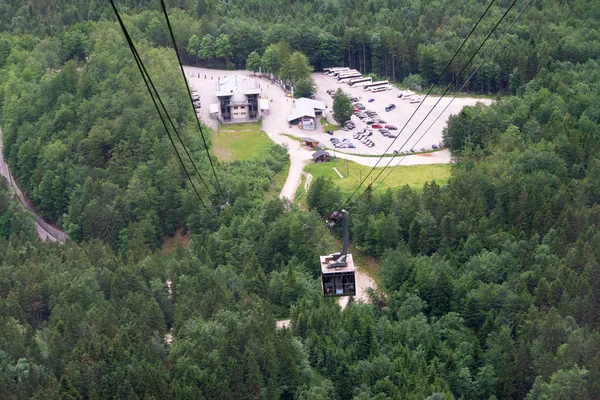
(330, 132)
(391, 127)
(390, 107)
(434, 146)
(371, 100)
(376, 126)
(351, 146)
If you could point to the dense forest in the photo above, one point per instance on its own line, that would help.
(490, 285)
(398, 39)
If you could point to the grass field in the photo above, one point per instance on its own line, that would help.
(240, 142)
(413, 175)
(327, 126)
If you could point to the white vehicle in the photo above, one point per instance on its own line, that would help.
(368, 86)
(378, 89)
(358, 81)
(415, 99)
(344, 73)
(346, 78)
(405, 93)
(332, 71)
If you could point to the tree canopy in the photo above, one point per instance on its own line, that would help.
(342, 108)
(489, 286)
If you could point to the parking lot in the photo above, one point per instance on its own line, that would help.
(432, 134)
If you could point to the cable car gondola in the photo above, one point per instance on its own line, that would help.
(337, 269)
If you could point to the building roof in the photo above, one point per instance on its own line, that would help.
(238, 87)
(309, 140)
(320, 153)
(306, 108)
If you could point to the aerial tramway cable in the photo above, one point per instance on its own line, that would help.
(162, 3)
(430, 111)
(459, 90)
(149, 84)
(420, 104)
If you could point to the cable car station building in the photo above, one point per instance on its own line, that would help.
(238, 99)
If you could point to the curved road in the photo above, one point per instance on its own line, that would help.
(45, 230)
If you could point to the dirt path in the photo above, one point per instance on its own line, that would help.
(363, 282)
(44, 230)
(308, 181)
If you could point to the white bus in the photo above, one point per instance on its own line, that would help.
(358, 81)
(345, 72)
(332, 71)
(368, 86)
(378, 89)
(346, 78)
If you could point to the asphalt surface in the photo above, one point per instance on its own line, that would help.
(409, 132)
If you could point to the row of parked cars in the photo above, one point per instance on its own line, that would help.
(363, 137)
(342, 144)
(348, 126)
(352, 99)
(196, 99)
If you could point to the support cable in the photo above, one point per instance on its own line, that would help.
(162, 3)
(420, 104)
(443, 94)
(148, 83)
(459, 90)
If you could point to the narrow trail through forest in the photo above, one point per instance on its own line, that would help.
(44, 229)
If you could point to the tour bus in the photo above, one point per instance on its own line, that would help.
(345, 72)
(333, 71)
(368, 86)
(378, 89)
(358, 81)
(329, 71)
(346, 78)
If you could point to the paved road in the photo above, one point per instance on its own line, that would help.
(45, 230)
